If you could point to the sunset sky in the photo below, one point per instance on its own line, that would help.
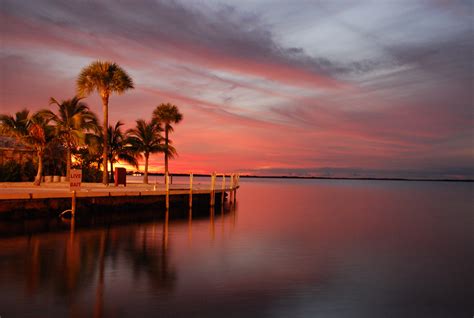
(310, 88)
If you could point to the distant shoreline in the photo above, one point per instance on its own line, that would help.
(321, 178)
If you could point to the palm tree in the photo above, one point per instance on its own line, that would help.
(55, 158)
(105, 78)
(92, 153)
(89, 157)
(145, 138)
(167, 114)
(73, 120)
(32, 130)
(40, 134)
(15, 126)
(119, 148)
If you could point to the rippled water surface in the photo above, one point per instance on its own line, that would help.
(290, 248)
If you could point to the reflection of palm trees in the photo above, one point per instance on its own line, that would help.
(77, 270)
(165, 230)
(222, 216)
(33, 270)
(190, 225)
(152, 259)
(72, 263)
(99, 296)
(233, 215)
(66, 265)
(212, 224)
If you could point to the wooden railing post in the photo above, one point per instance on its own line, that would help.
(191, 190)
(167, 186)
(223, 189)
(213, 184)
(231, 188)
(235, 186)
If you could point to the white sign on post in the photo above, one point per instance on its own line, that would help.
(75, 179)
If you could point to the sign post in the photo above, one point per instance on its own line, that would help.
(74, 185)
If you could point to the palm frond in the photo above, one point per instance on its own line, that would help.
(167, 114)
(145, 137)
(104, 77)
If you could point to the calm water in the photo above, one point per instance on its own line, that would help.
(291, 248)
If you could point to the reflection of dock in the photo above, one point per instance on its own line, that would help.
(85, 263)
(56, 197)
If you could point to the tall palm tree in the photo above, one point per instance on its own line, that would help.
(32, 130)
(167, 114)
(73, 120)
(119, 147)
(145, 138)
(105, 78)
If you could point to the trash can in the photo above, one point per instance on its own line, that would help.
(120, 176)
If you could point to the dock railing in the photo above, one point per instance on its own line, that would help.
(229, 184)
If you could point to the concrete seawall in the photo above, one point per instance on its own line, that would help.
(17, 201)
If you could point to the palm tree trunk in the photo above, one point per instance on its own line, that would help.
(166, 154)
(105, 108)
(68, 164)
(39, 174)
(145, 177)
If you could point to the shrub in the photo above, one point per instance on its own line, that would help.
(13, 171)
(28, 171)
(10, 171)
(91, 174)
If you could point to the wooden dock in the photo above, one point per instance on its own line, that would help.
(52, 198)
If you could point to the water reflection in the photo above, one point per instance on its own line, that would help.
(305, 249)
(99, 298)
(190, 225)
(77, 267)
(212, 225)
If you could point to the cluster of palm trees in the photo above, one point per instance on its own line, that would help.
(77, 129)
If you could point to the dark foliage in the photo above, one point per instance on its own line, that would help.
(13, 171)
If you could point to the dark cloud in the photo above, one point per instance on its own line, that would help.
(224, 30)
(448, 58)
(164, 25)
